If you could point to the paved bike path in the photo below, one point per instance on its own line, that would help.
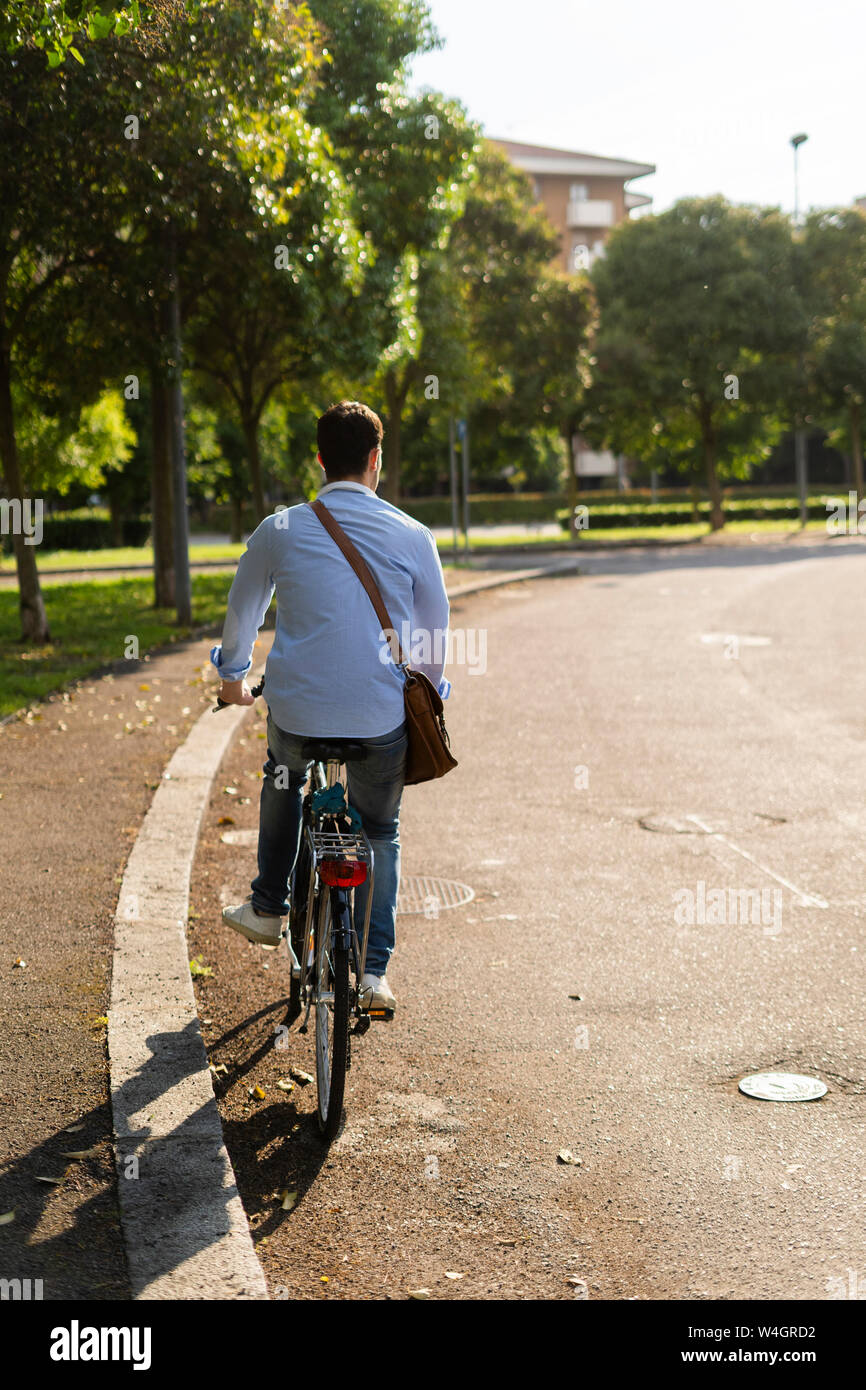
(76, 779)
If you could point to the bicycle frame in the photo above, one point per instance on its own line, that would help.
(351, 847)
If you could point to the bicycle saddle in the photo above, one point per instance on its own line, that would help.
(341, 750)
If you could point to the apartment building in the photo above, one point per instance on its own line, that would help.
(584, 195)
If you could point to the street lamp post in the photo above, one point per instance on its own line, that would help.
(800, 439)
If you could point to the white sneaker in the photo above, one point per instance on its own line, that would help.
(376, 993)
(265, 931)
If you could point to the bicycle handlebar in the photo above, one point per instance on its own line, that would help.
(255, 691)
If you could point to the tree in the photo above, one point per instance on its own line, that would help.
(554, 371)
(699, 327)
(467, 328)
(835, 252)
(406, 158)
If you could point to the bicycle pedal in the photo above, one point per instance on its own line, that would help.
(385, 1015)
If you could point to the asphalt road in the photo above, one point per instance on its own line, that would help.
(670, 719)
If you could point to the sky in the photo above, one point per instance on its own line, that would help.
(709, 93)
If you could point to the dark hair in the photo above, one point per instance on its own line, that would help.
(346, 434)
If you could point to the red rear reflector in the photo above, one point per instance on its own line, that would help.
(342, 873)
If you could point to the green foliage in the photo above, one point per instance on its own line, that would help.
(55, 459)
(689, 300)
(58, 26)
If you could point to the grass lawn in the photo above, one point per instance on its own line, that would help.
(116, 559)
(90, 622)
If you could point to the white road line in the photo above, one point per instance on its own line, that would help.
(806, 899)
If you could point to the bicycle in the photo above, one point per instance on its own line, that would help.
(334, 858)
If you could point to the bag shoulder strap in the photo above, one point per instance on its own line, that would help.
(362, 570)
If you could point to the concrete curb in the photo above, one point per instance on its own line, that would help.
(184, 1225)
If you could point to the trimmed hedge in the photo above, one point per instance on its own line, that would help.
(77, 532)
(487, 509)
(608, 518)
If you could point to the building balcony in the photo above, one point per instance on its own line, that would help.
(590, 212)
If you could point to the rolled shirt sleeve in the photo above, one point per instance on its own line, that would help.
(430, 615)
(248, 602)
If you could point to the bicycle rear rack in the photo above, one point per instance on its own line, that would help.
(346, 847)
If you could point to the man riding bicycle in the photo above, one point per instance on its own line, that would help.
(330, 672)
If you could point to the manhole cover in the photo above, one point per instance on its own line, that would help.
(782, 1085)
(431, 895)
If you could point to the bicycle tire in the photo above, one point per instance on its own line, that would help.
(332, 1045)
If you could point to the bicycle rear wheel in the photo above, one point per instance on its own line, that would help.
(332, 1008)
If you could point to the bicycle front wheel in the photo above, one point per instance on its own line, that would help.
(332, 1009)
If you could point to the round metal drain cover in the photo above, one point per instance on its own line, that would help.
(782, 1085)
(431, 895)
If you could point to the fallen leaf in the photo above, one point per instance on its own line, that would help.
(257, 1092)
(73, 1129)
(418, 1293)
(288, 1199)
(451, 1274)
(196, 968)
(230, 791)
(302, 1076)
(575, 996)
(80, 1153)
(225, 820)
(144, 687)
(285, 1085)
(101, 1021)
(566, 1156)
(6, 1218)
(55, 1182)
(19, 964)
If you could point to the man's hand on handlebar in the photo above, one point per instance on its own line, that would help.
(234, 693)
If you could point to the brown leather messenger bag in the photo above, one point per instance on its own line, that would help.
(429, 753)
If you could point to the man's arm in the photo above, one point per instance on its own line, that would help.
(430, 614)
(248, 602)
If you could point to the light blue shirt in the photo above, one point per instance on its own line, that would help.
(330, 670)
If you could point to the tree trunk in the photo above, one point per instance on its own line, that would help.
(34, 621)
(161, 496)
(717, 511)
(856, 446)
(250, 427)
(571, 483)
(395, 400)
(695, 500)
(177, 451)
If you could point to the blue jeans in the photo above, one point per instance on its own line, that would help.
(375, 788)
